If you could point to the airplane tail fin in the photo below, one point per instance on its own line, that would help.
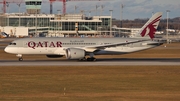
(151, 26)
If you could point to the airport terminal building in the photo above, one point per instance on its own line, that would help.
(55, 24)
(34, 23)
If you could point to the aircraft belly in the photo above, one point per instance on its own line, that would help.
(121, 50)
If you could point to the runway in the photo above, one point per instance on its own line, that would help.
(99, 62)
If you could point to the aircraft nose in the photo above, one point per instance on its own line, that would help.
(10, 50)
(7, 50)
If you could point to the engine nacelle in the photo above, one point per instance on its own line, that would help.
(54, 56)
(75, 53)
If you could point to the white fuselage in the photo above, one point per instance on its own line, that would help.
(57, 46)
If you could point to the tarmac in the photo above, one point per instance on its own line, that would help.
(99, 62)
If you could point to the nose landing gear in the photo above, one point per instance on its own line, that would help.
(20, 57)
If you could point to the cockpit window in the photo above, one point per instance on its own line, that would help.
(12, 44)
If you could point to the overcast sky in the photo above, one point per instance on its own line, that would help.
(132, 8)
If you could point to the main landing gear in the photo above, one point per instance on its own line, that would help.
(88, 59)
(91, 58)
(20, 57)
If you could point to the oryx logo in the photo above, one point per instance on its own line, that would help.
(150, 29)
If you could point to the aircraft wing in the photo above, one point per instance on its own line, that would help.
(97, 47)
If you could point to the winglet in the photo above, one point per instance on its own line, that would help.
(151, 26)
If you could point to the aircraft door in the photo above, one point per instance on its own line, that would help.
(25, 44)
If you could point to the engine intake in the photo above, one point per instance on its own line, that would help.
(75, 53)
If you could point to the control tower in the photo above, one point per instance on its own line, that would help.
(33, 6)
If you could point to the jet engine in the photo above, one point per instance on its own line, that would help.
(75, 53)
(54, 56)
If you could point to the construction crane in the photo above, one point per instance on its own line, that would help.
(18, 2)
(64, 4)
(6, 3)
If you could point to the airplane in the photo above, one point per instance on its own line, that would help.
(80, 48)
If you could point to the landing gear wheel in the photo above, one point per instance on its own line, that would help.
(91, 59)
(94, 59)
(20, 59)
(83, 59)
